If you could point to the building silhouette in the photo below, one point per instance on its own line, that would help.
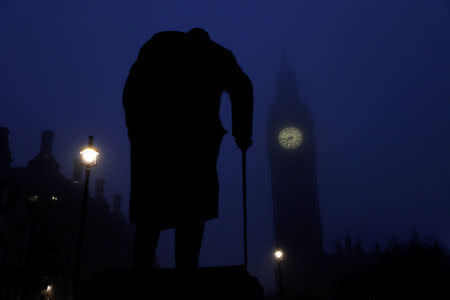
(40, 213)
(292, 158)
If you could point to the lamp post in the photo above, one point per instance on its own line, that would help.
(88, 159)
(279, 256)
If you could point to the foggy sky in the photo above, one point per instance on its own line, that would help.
(375, 75)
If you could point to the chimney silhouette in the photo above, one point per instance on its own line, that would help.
(5, 154)
(77, 170)
(47, 141)
(117, 202)
(100, 188)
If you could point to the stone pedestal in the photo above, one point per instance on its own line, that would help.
(231, 282)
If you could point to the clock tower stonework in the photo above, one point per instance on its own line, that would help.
(292, 159)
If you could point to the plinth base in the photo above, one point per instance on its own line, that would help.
(205, 283)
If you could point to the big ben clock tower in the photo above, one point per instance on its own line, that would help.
(292, 157)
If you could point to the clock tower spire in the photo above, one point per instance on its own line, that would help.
(292, 158)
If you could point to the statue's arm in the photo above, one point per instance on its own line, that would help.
(240, 89)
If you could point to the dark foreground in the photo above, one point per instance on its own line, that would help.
(206, 283)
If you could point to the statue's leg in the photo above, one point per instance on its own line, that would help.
(145, 243)
(188, 241)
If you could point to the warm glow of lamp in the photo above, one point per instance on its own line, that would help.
(278, 254)
(49, 288)
(89, 156)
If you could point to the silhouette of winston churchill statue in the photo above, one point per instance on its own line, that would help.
(171, 101)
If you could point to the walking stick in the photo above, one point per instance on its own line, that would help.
(244, 197)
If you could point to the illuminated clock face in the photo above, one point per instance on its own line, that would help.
(290, 137)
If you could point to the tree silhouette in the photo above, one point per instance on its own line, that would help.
(401, 272)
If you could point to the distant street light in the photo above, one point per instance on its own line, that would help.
(279, 256)
(47, 293)
(89, 159)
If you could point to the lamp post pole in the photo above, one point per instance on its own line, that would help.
(279, 255)
(280, 286)
(89, 159)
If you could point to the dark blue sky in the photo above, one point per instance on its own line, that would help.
(375, 75)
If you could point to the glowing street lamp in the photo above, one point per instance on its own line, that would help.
(89, 159)
(89, 154)
(279, 256)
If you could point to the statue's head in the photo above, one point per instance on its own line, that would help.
(198, 33)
